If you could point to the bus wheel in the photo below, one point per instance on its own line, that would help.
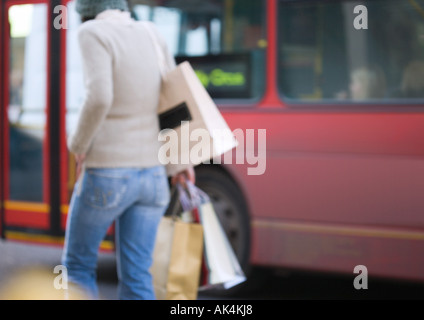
(231, 209)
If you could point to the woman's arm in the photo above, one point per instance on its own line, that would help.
(97, 65)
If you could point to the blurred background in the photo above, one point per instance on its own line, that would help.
(343, 112)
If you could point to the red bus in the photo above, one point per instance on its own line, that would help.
(338, 87)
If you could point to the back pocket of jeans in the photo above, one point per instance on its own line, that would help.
(162, 192)
(103, 191)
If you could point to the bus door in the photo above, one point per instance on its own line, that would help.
(24, 115)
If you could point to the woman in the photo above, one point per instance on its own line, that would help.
(365, 84)
(116, 149)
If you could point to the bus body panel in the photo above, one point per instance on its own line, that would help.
(330, 198)
(319, 169)
(336, 248)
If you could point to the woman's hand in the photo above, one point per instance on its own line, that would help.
(79, 159)
(183, 176)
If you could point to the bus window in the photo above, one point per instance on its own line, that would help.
(27, 100)
(324, 54)
(223, 39)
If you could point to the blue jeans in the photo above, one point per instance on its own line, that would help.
(135, 199)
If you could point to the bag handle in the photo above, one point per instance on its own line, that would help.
(186, 200)
(197, 194)
(174, 204)
(180, 199)
(195, 197)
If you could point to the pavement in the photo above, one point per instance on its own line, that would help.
(20, 258)
(24, 260)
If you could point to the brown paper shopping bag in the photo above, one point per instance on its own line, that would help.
(177, 259)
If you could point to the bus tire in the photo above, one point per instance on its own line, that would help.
(231, 209)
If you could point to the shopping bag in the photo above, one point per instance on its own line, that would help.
(221, 268)
(221, 264)
(177, 258)
(192, 127)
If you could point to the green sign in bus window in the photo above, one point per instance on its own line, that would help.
(224, 76)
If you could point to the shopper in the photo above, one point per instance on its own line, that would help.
(116, 149)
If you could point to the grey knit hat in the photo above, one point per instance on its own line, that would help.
(91, 8)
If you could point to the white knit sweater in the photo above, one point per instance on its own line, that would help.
(118, 124)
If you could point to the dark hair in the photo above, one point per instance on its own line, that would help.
(129, 4)
(85, 19)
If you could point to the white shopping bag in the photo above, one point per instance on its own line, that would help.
(192, 126)
(222, 266)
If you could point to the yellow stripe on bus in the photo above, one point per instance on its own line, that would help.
(334, 230)
(27, 206)
(64, 208)
(45, 239)
(34, 207)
